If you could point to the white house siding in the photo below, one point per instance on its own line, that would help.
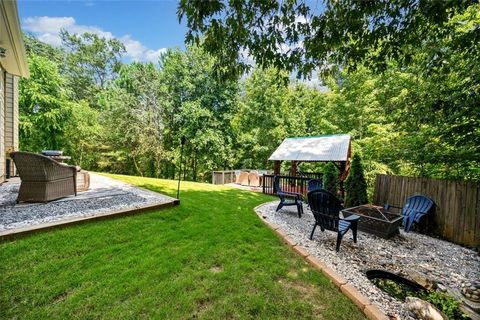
(11, 116)
(2, 125)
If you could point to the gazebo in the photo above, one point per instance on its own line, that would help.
(335, 148)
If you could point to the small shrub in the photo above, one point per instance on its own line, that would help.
(356, 186)
(445, 303)
(330, 178)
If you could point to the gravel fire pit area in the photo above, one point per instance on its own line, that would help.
(418, 257)
(105, 195)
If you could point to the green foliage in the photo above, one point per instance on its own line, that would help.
(91, 63)
(416, 119)
(445, 303)
(355, 185)
(132, 117)
(300, 36)
(330, 178)
(48, 119)
(197, 106)
(423, 106)
(33, 46)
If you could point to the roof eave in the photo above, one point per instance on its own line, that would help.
(16, 60)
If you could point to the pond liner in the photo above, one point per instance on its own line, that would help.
(383, 274)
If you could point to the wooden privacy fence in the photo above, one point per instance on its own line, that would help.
(223, 177)
(457, 204)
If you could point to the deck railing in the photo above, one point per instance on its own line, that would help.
(311, 175)
(287, 183)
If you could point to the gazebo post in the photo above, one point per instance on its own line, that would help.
(276, 167)
(341, 178)
(294, 169)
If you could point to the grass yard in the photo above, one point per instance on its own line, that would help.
(210, 258)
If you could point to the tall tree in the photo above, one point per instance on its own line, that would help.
(92, 62)
(132, 114)
(196, 106)
(48, 118)
(260, 123)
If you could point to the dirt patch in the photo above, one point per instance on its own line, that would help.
(307, 291)
(62, 296)
(216, 269)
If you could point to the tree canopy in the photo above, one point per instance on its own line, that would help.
(298, 35)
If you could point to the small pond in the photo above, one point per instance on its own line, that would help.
(395, 285)
(400, 288)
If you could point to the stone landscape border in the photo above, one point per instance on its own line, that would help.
(361, 301)
(20, 232)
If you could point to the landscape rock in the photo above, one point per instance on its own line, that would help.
(423, 310)
(105, 195)
(440, 263)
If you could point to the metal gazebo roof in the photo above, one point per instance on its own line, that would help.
(335, 147)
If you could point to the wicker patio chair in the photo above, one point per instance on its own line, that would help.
(253, 179)
(237, 176)
(243, 178)
(43, 179)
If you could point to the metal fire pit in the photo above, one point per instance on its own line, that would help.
(376, 220)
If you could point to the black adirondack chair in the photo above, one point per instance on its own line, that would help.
(415, 208)
(326, 209)
(287, 198)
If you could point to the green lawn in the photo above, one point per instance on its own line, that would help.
(211, 258)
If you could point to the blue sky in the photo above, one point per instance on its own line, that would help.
(147, 28)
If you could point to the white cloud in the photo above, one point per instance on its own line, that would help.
(302, 19)
(154, 55)
(137, 51)
(47, 29)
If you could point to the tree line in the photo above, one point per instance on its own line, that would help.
(129, 117)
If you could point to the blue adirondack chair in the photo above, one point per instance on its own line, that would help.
(314, 184)
(416, 207)
(287, 198)
(326, 209)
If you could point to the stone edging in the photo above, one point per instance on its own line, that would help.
(361, 301)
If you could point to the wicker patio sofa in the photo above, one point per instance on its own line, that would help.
(43, 179)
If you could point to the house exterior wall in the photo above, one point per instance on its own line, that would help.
(2, 124)
(13, 64)
(11, 117)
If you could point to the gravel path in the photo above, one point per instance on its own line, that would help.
(105, 195)
(410, 254)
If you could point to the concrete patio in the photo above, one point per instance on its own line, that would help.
(106, 197)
